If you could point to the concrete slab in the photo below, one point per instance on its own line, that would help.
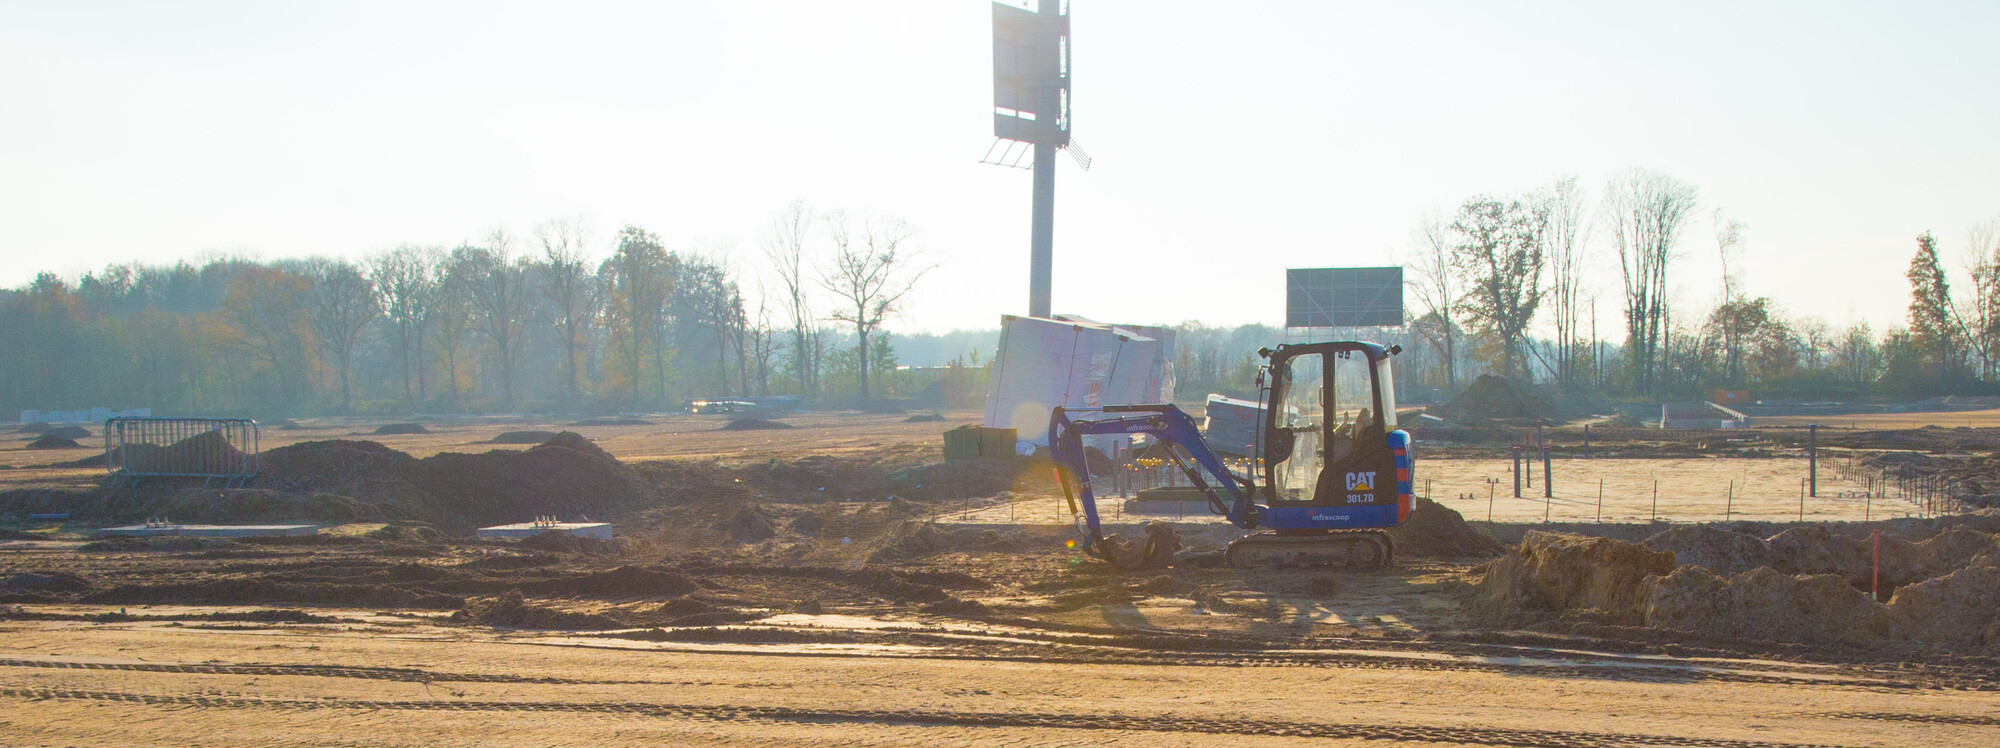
(209, 531)
(598, 530)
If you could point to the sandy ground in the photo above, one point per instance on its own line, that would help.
(148, 684)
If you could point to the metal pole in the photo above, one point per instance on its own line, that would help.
(1729, 506)
(1586, 441)
(1489, 499)
(1656, 502)
(1548, 475)
(1041, 250)
(1600, 499)
(1517, 472)
(1812, 457)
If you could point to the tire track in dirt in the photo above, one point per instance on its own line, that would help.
(1060, 721)
(409, 675)
(1935, 719)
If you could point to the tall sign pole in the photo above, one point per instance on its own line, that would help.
(1031, 107)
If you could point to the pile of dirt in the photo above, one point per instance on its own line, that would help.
(1438, 531)
(1960, 610)
(522, 437)
(51, 441)
(1764, 604)
(567, 476)
(43, 582)
(754, 424)
(512, 610)
(1563, 573)
(808, 524)
(613, 422)
(392, 429)
(1712, 548)
(1492, 397)
(69, 432)
(621, 582)
(925, 418)
(260, 505)
(750, 524)
(206, 452)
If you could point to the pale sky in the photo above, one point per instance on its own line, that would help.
(1232, 140)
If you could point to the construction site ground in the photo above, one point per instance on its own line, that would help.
(836, 583)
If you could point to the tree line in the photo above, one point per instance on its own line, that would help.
(1483, 276)
(552, 320)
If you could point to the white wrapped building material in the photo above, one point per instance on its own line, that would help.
(1073, 362)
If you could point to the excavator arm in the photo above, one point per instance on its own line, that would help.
(1166, 423)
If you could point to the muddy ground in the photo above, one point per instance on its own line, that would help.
(776, 591)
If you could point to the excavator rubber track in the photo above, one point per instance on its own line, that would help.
(1341, 550)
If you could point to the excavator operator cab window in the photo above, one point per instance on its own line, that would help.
(1300, 427)
(1326, 418)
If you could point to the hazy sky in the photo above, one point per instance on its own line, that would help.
(1232, 140)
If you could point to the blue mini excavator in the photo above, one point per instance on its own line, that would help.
(1330, 471)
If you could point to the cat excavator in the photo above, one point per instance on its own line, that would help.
(1329, 474)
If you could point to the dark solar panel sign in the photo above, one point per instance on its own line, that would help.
(1344, 297)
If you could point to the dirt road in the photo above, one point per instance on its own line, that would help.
(64, 683)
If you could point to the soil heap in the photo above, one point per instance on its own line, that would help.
(522, 437)
(51, 441)
(390, 429)
(1491, 397)
(566, 476)
(1556, 572)
(1438, 531)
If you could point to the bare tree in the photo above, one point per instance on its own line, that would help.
(637, 278)
(343, 304)
(871, 273)
(1497, 253)
(405, 283)
(1729, 246)
(785, 247)
(1982, 311)
(496, 283)
(1437, 289)
(450, 320)
(569, 286)
(1646, 212)
(1566, 237)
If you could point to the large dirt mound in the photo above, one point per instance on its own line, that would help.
(1960, 610)
(1438, 531)
(69, 432)
(1713, 548)
(391, 429)
(512, 610)
(1493, 397)
(566, 476)
(1555, 572)
(1766, 605)
(51, 441)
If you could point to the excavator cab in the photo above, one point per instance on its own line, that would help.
(1336, 469)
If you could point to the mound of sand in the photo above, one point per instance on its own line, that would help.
(1766, 605)
(1438, 531)
(522, 437)
(925, 418)
(1556, 572)
(566, 475)
(1493, 397)
(754, 424)
(1960, 610)
(51, 441)
(1712, 548)
(749, 524)
(391, 429)
(68, 432)
(612, 422)
(44, 582)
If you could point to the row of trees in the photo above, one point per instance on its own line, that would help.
(1486, 274)
(500, 323)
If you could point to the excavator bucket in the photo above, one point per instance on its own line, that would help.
(1155, 551)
